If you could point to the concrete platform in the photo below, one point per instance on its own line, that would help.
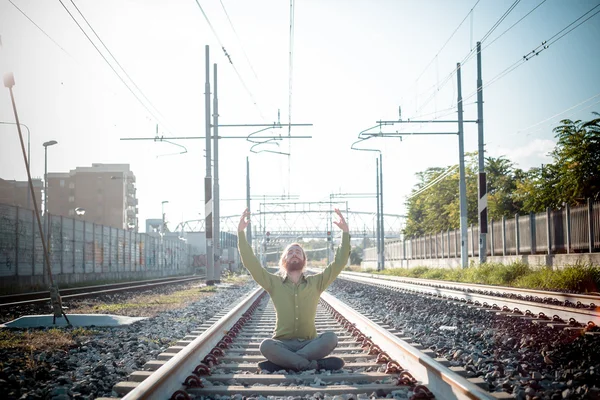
(77, 320)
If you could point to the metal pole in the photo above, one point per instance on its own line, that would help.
(482, 205)
(55, 299)
(208, 223)
(45, 197)
(381, 210)
(377, 219)
(464, 257)
(217, 228)
(590, 221)
(249, 228)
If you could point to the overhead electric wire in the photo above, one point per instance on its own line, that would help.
(108, 63)
(562, 112)
(117, 61)
(239, 40)
(447, 41)
(470, 54)
(513, 25)
(290, 85)
(41, 30)
(543, 46)
(438, 179)
(230, 60)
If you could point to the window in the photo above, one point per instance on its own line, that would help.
(71, 212)
(71, 199)
(71, 185)
(62, 183)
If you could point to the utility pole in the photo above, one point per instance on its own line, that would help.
(217, 232)
(378, 219)
(482, 203)
(464, 257)
(208, 225)
(249, 227)
(381, 210)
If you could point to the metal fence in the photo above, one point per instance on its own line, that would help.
(77, 246)
(568, 230)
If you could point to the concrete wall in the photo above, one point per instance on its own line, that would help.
(16, 284)
(555, 261)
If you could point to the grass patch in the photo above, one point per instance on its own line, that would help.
(235, 279)
(207, 289)
(37, 340)
(576, 278)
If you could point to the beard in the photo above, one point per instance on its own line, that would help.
(294, 265)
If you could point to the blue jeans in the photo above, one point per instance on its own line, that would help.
(299, 354)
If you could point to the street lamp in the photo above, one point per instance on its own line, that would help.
(80, 211)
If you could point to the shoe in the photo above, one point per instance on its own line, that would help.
(269, 366)
(330, 363)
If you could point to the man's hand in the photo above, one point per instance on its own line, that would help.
(244, 220)
(342, 224)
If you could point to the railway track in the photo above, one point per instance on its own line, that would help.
(87, 291)
(557, 310)
(220, 357)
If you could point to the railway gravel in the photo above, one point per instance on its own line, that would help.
(91, 366)
(526, 360)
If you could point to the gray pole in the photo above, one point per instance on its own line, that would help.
(464, 257)
(249, 228)
(208, 223)
(378, 224)
(381, 210)
(217, 229)
(482, 206)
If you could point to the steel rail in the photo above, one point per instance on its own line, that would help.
(114, 288)
(571, 297)
(513, 306)
(169, 378)
(441, 381)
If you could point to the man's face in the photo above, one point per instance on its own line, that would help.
(294, 259)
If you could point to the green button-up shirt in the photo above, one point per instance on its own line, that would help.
(295, 304)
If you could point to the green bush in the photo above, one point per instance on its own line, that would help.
(578, 277)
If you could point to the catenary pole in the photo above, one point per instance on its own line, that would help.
(381, 210)
(208, 224)
(482, 204)
(249, 227)
(378, 218)
(217, 212)
(462, 184)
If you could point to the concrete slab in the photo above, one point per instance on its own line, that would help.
(45, 321)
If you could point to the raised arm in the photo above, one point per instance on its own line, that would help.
(325, 278)
(249, 260)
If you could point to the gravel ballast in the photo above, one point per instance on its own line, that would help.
(91, 366)
(524, 359)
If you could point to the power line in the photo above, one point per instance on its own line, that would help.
(230, 60)
(290, 83)
(470, 54)
(239, 40)
(41, 30)
(116, 61)
(543, 46)
(438, 179)
(108, 63)
(447, 41)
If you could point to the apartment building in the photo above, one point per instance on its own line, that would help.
(103, 193)
(17, 193)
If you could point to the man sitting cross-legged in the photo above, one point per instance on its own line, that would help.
(295, 344)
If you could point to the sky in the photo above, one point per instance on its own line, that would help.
(353, 63)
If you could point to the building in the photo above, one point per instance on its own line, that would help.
(106, 192)
(17, 193)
